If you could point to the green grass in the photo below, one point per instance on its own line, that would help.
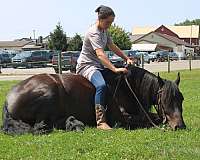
(118, 143)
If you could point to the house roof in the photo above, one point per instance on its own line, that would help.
(191, 31)
(164, 30)
(143, 30)
(186, 31)
(135, 37)
(14, 43)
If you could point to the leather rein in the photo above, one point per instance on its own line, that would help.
(158, 107)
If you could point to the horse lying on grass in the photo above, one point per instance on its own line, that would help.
(45, 101)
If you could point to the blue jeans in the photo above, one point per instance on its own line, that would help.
(98, 81)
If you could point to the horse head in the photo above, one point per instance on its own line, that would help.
(170, 101)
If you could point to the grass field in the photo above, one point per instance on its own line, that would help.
(118, 143)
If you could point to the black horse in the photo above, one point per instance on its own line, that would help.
(52, 98)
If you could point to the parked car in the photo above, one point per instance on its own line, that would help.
(162, 56)
(181, 55)
(31, 59)
(114, 59)
(5, 59)
(173, 56)
(69, 60)
(145, 56)
(132, 55)
(153, 56)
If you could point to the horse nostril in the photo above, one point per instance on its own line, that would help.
(175, 128)
(183, 126)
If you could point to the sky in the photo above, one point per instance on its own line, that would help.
(23, 18)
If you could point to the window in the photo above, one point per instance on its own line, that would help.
(36, 54)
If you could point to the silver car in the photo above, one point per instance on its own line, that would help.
(145, 56)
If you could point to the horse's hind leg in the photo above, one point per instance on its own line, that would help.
(41, 128)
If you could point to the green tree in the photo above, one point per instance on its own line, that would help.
(57, 39)
(120, 37)
(75, 43)
(188, 22)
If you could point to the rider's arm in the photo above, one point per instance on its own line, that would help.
(104, 59)
(117, 51)
(106, 62)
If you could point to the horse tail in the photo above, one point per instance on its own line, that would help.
(12, 126)
(17, 127)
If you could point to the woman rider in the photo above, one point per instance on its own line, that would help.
(93, 59)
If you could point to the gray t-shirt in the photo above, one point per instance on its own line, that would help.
(88, 61)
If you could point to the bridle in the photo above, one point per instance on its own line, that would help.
(159, 107)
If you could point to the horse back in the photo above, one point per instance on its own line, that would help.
(51, 96)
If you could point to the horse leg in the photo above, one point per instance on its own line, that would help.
(72, 124)
(141, 121)
(115, 116)
(42, 127)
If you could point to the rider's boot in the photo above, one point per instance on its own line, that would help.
(101, 118)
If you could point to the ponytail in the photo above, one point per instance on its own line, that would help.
(104, 12)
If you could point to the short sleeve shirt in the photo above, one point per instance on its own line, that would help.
(88, 60)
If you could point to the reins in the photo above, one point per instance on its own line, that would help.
(141, 107)
(117, 86)
(133, 93)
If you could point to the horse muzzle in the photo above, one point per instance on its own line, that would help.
(176, 123)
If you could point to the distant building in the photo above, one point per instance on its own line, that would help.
(16, 44)
(165, 38)
(31, 47)
(25, 44)
(190, 34)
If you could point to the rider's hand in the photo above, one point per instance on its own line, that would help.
(129, 61)
(121, 70)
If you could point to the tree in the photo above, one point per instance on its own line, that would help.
(58, 39)
(75, 43)
(188, 22)
(120, 37)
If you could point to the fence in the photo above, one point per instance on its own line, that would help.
(189, 63)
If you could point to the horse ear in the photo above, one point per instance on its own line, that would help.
(177, 81)
(160, 81)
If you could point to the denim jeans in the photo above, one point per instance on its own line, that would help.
(98, 81)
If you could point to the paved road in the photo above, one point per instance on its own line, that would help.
(20, 74)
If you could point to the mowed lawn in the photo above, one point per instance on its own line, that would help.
(118, 143)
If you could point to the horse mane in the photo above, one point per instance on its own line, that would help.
(144, 83)
(141, 79)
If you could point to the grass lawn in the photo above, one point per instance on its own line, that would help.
(118, 143)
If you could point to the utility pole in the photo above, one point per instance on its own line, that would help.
(34, 34)
(191, 36)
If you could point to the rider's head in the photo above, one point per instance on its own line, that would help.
(105, 17)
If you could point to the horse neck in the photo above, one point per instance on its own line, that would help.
(146, 83)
